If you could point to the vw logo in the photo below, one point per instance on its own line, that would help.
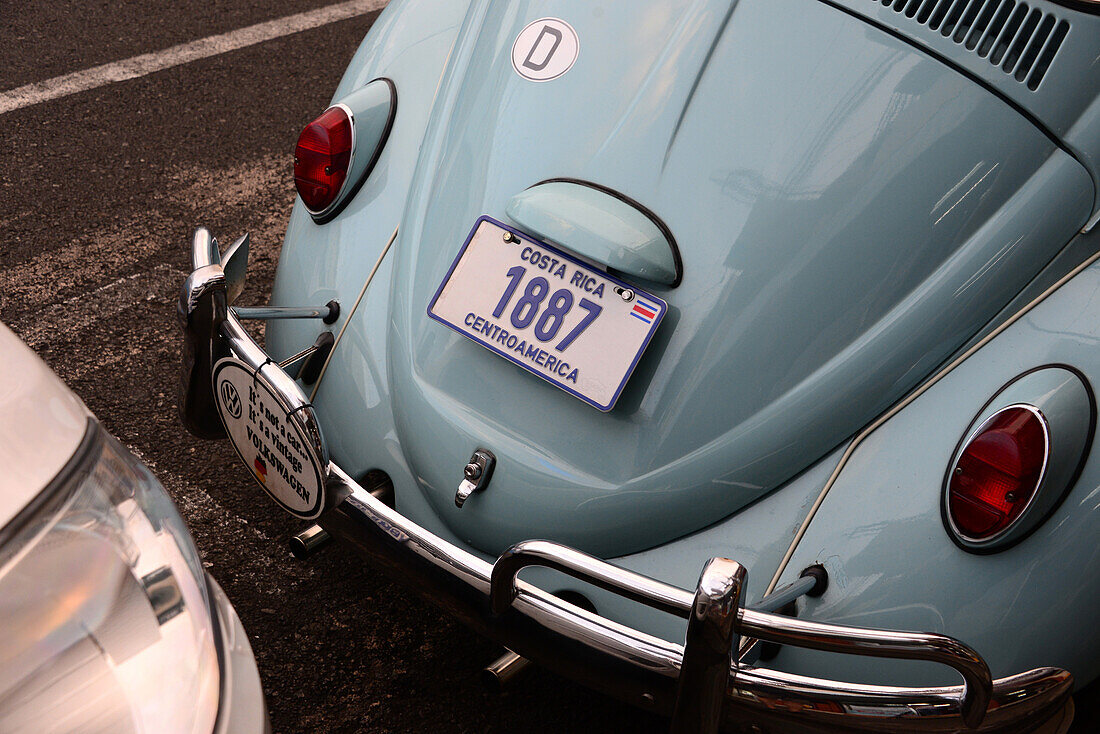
(545, 50)
(230, 399)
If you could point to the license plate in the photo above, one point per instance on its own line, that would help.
(546, 311)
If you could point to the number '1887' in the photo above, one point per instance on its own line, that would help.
(549, 320)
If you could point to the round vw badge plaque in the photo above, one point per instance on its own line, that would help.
(269, 437)
(545, 49)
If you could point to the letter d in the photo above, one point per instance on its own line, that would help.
(546, 31)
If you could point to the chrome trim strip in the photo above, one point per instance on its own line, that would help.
(782, 629)
(653, 593)
(643, 669)
(200, 311)
(296, 405)
(711, 638)
(204, 249)
(978, 686)
(267, 313)
(636, 587)
(295, 358)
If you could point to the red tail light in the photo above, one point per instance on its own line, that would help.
(997, 473)
(321, 159)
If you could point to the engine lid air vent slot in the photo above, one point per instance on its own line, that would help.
(1019, 39)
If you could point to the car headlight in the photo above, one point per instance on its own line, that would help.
(105, 620)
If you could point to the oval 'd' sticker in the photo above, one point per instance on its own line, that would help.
(545, 50)
(269, 441)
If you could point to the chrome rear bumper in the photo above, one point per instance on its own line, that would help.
(700, 684)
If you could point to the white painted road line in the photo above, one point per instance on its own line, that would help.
(137, 66)
(74, 315)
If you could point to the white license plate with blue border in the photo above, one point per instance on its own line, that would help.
(543, 309)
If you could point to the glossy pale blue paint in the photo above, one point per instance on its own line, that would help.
(1065, 102)
(880, 535)
(872, 213)
(848, 211)
(597, 226)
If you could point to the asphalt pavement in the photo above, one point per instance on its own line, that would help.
(99, 193)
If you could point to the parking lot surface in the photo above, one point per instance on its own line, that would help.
(98, 195)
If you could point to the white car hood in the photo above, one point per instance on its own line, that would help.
(41, 425)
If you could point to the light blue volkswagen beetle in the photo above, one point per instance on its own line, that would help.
(580, 298)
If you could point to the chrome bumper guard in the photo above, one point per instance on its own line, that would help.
(701, 684)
